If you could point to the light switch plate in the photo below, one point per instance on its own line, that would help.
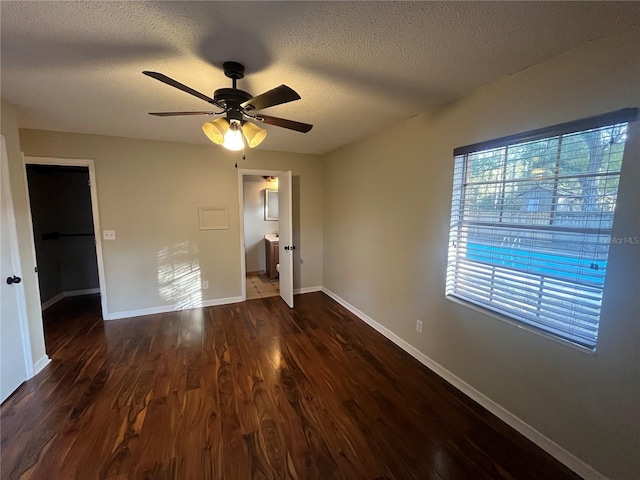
(109, 234)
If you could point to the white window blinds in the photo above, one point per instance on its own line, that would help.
(531, 222)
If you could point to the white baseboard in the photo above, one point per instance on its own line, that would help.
(52, 301)
(72, 293)
(40, 364)
(171, 308)
(77, 293)
(567, 458)
(219, 301)
(297, 291)
(207, 303)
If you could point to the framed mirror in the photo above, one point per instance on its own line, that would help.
(270, 204)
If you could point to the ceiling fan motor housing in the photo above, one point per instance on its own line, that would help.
(231, 98)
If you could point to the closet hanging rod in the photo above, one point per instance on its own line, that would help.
(56, 235)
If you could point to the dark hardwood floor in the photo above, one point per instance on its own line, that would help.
(247, 391)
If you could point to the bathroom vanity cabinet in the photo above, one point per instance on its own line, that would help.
(273, 255)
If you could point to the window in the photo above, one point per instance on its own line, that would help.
(533, 204)
(531, 222)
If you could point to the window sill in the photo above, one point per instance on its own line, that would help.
(519, 325)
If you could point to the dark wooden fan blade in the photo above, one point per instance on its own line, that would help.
(170, 81)
(281, 122)
(175, 114)
(275, 96)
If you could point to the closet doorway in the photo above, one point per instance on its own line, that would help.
(64, 218)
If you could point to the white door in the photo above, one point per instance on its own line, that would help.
(13, 345)
(285, 229)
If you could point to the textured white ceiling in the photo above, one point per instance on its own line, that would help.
(359, 66)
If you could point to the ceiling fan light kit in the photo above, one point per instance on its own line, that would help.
(253, 134)
(238, 106)
(229, 133)
(233, 137)
(215, 130)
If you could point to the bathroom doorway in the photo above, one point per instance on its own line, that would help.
(261, 235)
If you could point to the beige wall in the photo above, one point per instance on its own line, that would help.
(149, 193)
(387, 209)
(9, 127)
(382, 246)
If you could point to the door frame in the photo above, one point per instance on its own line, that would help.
(242, 172)
(78, 162)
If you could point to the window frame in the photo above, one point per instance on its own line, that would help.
(459, 205)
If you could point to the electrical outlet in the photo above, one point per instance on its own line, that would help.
(205, 284)
(419, 326)
(109, 234)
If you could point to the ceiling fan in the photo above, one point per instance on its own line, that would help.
(238, 107)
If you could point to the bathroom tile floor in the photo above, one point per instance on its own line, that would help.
(261, 286)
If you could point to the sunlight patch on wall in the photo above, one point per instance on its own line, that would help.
(179, 279)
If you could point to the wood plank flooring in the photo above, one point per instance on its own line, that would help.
(247, 391)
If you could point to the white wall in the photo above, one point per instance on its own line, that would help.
(387, 209)
(255, 226)
(149, 193)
